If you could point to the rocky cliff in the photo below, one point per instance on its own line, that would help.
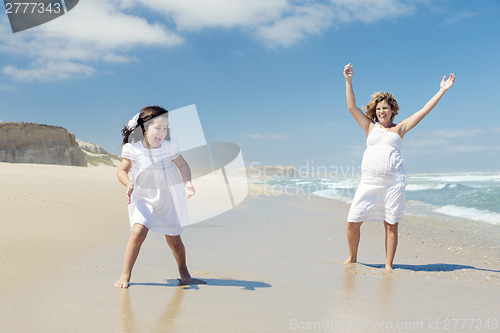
(90, 147)
(35, 143)
(96, 155)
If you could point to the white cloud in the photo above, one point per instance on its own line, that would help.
(93, 31)
(108, 28)
(6, 87)
(275, 22)
(469, 148)
(302, 22)
(460, 140)
(107, 31)
(371, 10)
(194, 15)
(452, 133)
(48, 71)
(462, 133)
(268, 136)
(441, 137)
(461, 16)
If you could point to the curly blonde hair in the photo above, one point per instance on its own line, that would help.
(379, 97)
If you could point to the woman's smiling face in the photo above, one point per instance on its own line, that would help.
(156, 131)
(384, 113)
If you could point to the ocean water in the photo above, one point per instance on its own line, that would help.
(472, 196)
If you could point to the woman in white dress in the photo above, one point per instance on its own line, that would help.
(157, 190)
(380, 195)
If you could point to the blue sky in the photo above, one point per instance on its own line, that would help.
(266, 74)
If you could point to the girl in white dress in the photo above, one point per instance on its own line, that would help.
(157, 190)
(380, 195)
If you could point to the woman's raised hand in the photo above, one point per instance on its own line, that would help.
(446, 84)
(348, 72)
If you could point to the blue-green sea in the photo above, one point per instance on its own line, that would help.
(472, 196)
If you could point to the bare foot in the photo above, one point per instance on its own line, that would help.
(388, 267)
(350, 261)
(123, 282)
(185, 276)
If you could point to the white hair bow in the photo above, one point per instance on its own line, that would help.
(132, 123)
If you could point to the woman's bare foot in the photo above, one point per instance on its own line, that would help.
(123, 282)
(388, 267)
(350, 260)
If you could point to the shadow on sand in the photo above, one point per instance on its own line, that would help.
(246, 285)
(439, 267)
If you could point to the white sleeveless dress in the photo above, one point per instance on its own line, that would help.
(158, 199)
(380, 195)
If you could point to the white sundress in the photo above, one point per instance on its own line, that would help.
(158, 199)
(380, 196)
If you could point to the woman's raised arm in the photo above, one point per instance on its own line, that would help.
(413, 120)
(358, 115)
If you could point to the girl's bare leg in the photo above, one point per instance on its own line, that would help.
(137, 237)
(353, 236)
(391, 243)
(179, 251)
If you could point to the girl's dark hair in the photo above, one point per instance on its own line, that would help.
(147, 113)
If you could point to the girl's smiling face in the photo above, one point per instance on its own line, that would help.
(156, 131)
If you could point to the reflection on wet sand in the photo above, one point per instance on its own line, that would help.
(345, 302)
(166, 321)
(384, 309)
(364, 295)
(349, 280)
(126, 314)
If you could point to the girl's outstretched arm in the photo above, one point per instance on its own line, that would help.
(122, 174)
(185, 171)
(414, 119)
(358, 115)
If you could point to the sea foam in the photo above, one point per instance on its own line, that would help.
(469, 213)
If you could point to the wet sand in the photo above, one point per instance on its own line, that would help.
(272, 264)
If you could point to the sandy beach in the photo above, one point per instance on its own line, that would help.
(271, 264)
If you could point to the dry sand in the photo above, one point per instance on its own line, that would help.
(272, 264)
